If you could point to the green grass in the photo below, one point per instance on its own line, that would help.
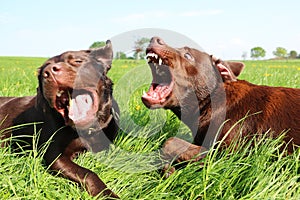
(276, 72)
(130, 166)
(18, 75)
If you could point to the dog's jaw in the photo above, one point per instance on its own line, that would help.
(83, 108)
(157, 95)
(77, 106)
(162, 85)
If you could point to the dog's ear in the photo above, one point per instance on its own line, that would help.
(104, 55)
(40, 101)
(236, 67)
(229, 70)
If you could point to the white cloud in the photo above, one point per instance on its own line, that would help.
(130, 18)
(142, 17)
(201, 13)
(238, 42)
(157, 14)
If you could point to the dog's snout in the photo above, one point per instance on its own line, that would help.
(52, 69)
(55, 69)
(157, 41)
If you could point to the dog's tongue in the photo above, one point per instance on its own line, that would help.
(157, 94)
(80, 107)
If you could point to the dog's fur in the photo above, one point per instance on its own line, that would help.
(72, 111)
(204, 92)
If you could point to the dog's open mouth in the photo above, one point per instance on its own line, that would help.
(79, 106)
(162, 84)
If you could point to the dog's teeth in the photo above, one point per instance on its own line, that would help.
(150, 54)
(59, 93)
(70, 99)
(160, 61)
(70, 103)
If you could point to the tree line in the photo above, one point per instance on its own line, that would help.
(279, 53)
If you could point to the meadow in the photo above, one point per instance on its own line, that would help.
(131, 166)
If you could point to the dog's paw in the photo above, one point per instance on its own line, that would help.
(167, 171)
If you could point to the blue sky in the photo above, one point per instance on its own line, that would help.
(225, 28)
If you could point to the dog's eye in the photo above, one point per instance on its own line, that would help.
(188, 56)
(78, 61)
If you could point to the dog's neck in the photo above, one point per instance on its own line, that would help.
(203, 115)
(190, 109)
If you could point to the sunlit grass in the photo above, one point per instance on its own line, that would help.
(275, 73)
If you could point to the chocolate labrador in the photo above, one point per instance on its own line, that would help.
(73, 111)
(204, 92)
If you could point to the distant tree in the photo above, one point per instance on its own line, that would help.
(97, 44)
(280, 52)
(140, 47)
(258, 52)
(293, 54)
(139, 56)
(244, 55)
(121, 55)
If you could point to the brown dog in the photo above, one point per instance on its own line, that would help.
(73, 110)
(204, 92)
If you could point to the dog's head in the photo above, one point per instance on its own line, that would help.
(76, 85)
(177, 72)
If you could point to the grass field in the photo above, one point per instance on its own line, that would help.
(130, 167)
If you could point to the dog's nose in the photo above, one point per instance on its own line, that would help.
(53, 69)
(157, 41)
